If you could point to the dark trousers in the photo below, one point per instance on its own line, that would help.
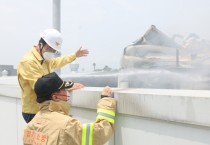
(28, 117)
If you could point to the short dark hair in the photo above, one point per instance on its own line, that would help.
(41, 41)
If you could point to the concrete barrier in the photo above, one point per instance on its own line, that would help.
(144, 116)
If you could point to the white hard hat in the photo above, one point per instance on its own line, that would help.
(53, 38)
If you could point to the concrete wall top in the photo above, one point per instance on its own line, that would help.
(185, 106)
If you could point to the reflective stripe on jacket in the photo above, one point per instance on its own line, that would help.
(62, 129)
(29, 70)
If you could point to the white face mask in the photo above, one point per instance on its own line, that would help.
(48, 55)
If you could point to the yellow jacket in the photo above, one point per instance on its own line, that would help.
(51, 127)
(29, 70)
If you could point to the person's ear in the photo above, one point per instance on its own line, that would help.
(54, 98)
(40, 45)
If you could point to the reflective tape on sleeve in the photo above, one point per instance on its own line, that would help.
(106, 114)
(87, 134)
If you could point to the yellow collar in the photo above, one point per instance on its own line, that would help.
(36, 54)
(60, 106)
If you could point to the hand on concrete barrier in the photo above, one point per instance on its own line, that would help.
(106, 92)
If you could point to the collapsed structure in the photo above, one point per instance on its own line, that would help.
(158, 61)
(156, 50)
(153, 49)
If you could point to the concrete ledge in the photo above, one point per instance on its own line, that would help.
(184, 106)
(10, 90)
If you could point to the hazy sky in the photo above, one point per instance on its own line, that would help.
(105, 27)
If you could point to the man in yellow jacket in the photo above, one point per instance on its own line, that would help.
(53, 126)
(40, 61)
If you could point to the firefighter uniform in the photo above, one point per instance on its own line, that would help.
(52, 126)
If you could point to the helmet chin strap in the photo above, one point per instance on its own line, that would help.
(41, 53)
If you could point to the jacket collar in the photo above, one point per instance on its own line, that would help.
(60, 107)
(36, 54)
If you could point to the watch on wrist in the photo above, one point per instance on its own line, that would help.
(111, 96)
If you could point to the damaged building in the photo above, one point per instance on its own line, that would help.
(158, 61)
